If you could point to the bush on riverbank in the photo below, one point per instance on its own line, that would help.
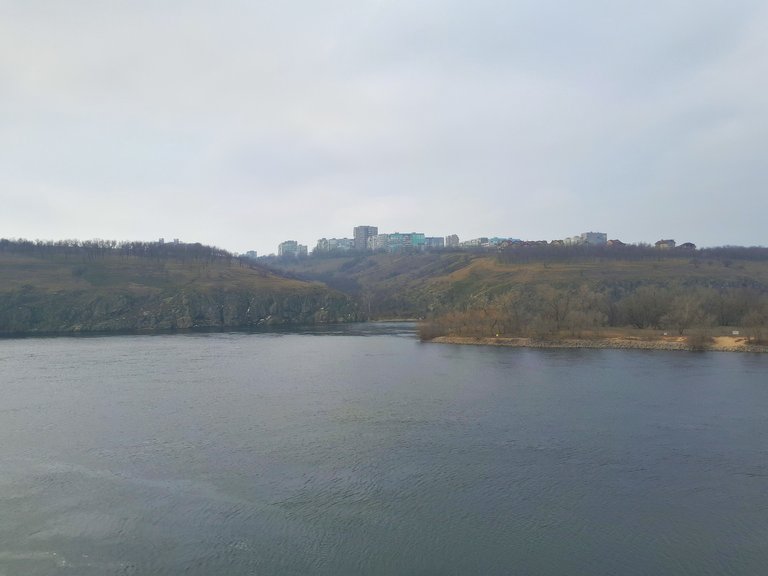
(548, 313)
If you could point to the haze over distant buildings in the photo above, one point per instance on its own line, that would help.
(236, 123)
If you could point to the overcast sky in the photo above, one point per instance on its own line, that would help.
(245, 123)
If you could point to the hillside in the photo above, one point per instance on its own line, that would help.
(386, 285)
(532, 293)
(46, 290)
(419, 283)
(546, 292)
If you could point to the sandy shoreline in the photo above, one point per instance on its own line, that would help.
(719, 344)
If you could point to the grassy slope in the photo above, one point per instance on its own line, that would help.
(132, 274)
(57, 293)
(489, 274)
(415, 285)
(113, 292)
(387, 285)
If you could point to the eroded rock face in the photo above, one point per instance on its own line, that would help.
(37, 312)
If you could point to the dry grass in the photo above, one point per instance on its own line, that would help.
(139, 275)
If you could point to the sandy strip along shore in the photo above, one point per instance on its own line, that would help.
(718, 344)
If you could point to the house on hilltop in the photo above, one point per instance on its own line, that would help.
(292, 249)
(361, 235)
(665, 244)
(587, 239)
(593, 238)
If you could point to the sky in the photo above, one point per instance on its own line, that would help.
(242, 124)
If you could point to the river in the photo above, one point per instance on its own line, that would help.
(360, 450)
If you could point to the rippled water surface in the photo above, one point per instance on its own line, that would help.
(362, 451)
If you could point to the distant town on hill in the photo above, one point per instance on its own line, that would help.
(369, 239)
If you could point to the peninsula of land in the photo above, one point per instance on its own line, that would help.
(616, 296)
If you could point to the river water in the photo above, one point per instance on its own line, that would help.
(360, 450)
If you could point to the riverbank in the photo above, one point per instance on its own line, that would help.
(717, 344)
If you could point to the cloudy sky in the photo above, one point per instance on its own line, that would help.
(245, 123)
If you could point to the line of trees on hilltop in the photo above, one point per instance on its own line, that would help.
(545, 312)
(555, 253)
(99, 248)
